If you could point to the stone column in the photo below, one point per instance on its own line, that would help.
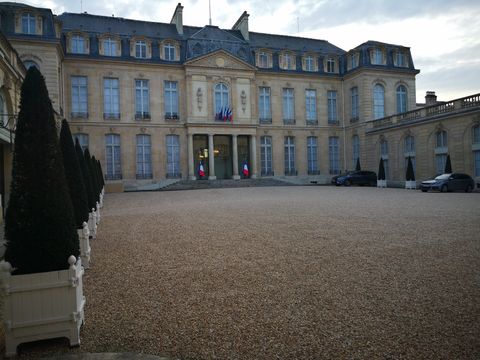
(191, 165)
(235, 158)
(211, 159)
(253, 156)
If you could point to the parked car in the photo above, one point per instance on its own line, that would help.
(449, 182)
(356, 178)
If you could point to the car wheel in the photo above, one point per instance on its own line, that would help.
(347, 183)
(444, 188)
(424, 190)
(468, 188)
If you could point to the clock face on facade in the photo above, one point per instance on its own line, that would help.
(220, 61)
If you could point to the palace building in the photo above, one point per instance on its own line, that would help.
(157, 101)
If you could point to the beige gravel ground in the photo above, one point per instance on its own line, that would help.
(284, 272)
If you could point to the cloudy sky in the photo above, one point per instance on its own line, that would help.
(444, 36)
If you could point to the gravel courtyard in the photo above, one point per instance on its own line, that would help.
(284, 272)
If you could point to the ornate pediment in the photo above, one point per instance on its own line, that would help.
(220, 59)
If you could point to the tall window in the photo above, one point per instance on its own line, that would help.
(289, 155)
(142, 99)
(401, 99)
(355, 150)
(221, 97)
(111, 99)
(266, 155)
(79, 96)
(288, 106)
(109, 47)
(141, 49)
(377, 58)
(400, 59)
(330, 65)
(311, 106)
(441, 151)
(476, 149)
(353, 60)
(332, 107)
(309, 63)
(409, 151)
(173, 156)
(288, 62)
(82, 140)
(112, 150)
(144, 157)
(28, 24)
(171, 100)
(78, 44)
(312, 155)
(263, 60)
(354, 103)
(334, 155)
(264, 111)
(169, 51)
(378, 102)
(384, 156)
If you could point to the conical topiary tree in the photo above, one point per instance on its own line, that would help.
(91, 174)
(381, 170)
(73, 173)
(39, 222)
(97, 175)
(357, 166)
(100, 171)
(410, 175)
(85, 173)
(448, 165)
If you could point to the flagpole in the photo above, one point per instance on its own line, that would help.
(209, 13)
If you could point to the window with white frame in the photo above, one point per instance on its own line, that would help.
(29, 24)
(400, 59)
(378, 101)
(353, 60)
(334, 155)
(441, 151)
(263, 59)
(109, 47)
(401, 99)
(331, 65)
(266, 155)
(169, 51)
(332, 107)
(264, 110)
(173, 156)
(142, 99)
(311, 105)
(409, 151)
(77, 44)
(309, 63)
(354, 105)
(476, 149)
(312, 155)
(289, 147)
(82, 140)
(355, 150)
(288, 106)
(79, 96)
(288, 61)
(377, 56)
(144, 157)
(141, 49)
(222, 101)
(384, 157)
(171, 100)
(112, 151)
(111, 98)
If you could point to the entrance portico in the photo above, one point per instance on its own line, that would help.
(220, 153)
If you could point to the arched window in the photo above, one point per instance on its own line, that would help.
(29, 63)
(401, 99)
(409, 151)
(378, 101)
(384, 156)
(221, 98)
(441, 151)
(355, 150)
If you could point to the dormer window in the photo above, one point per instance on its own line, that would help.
(169, 51)
(109, 47)
(400, 59)
(377, 56)
(141, 49)
(309, 63)
(28, 24)
(353, 60)
(331, 68)
(78, 44)
(287, 61)
(263, 59)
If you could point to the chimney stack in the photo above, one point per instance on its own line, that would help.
(177, 18)
(242, 25)
(430, 98)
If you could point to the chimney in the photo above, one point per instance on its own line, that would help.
(242, 25)
(430, 98)
(177, 18)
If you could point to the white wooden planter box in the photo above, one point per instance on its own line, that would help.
(92, 224)
(84, 239)
(382, 183)
(411, 185)
(43, 305)
(98, 213)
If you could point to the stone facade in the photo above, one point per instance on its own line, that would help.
(154, 100)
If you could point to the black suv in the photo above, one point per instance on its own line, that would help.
(359, 177)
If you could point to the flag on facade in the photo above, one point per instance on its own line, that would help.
(245, 169)
(201, 170)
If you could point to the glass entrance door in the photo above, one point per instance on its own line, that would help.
(243, 146)
(223, 156)
(200, 154)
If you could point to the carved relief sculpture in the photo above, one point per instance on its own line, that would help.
(199, 99)
(243, 97)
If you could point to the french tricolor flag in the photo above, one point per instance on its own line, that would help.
(201, 170)
(245, 169)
